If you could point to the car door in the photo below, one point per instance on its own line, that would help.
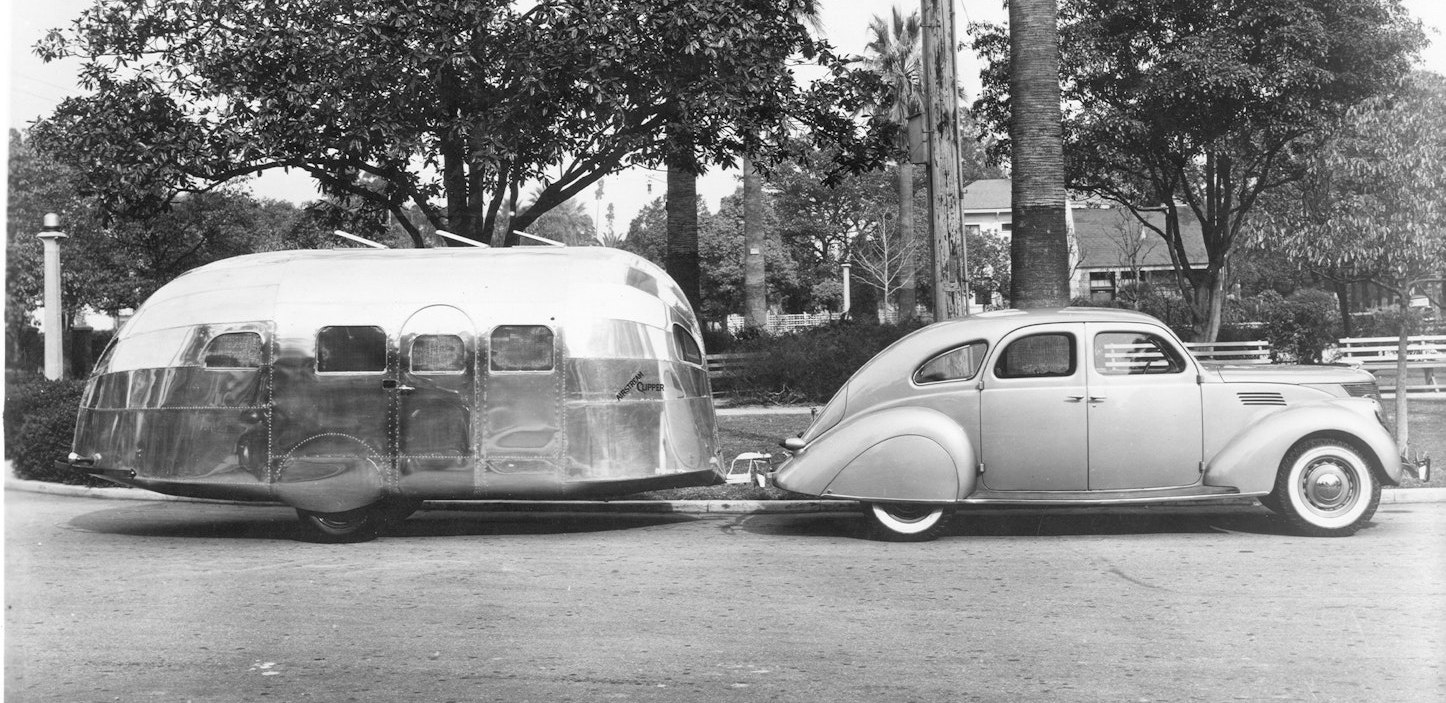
(1033, 419)
(1145, 425)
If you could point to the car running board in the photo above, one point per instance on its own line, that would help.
(1152, 495)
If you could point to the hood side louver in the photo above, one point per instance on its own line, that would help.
(1261, 398)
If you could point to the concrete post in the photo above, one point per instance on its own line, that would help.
(50, 236)
(847, 295)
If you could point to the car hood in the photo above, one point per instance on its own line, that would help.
(1299, 375)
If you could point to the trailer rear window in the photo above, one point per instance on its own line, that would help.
(688, 349)
(522, 348)
(234, 350)
(351, 350)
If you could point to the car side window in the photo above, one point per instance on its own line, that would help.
(1038, 356)
(1135, 353)
(956, 364)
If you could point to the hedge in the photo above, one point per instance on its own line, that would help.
(40, 426)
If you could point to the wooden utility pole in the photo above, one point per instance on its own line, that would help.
(941, 126)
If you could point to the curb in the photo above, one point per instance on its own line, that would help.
(1389, 496)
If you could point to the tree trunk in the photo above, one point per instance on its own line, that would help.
(1343, 298)
(755, 283)
(1040, 241)
(1403, 434)
(681, 261)
(908, 300)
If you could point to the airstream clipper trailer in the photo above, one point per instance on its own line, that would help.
(354, 384)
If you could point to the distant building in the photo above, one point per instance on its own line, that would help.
(1109, 247)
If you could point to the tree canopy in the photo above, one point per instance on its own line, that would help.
(1205, 106)
(441, 111)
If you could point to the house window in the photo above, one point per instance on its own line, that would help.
(1102, 285)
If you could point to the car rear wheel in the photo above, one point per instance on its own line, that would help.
(1325, 488)
(906, 522)
(336, 528)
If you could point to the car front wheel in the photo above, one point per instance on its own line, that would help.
(906, 522)
(1325, 488)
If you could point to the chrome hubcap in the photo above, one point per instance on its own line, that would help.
(1328, 486)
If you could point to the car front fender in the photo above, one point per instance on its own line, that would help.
(895, 454)
(1250, 460)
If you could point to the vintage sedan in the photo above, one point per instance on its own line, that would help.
(1086, 406)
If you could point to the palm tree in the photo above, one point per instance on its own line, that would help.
(755, 277)
(1040, 242)
(894, 54)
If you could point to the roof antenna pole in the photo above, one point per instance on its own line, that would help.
(544, 240)
(359, 240)
(444, 234)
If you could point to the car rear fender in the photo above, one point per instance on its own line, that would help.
(1250, 459)
(894, 454)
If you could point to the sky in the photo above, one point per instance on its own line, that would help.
(33, 88)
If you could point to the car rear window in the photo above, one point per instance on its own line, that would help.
(954, 365)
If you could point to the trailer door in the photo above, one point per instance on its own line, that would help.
(435, 396)
(522, 400)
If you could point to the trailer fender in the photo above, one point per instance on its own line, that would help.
(331, 473)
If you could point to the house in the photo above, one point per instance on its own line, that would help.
(1109, 247)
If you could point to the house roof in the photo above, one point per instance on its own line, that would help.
(989, 194)
(1114, 238)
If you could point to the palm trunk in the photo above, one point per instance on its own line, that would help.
(755, 284)
(1040, 240)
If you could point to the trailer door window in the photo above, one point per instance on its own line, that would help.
(234, 350)
(522, 348)
(438, 353)
(351, 350)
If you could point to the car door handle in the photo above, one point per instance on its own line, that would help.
(1073, 398)
(392, 385)
(1098, 398)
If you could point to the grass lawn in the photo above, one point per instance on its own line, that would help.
(761, 433)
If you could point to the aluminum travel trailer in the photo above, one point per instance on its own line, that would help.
(354, 384)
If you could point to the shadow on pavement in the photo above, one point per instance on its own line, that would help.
(268, 522)
(1036, 522)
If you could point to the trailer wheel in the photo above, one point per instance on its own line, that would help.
(336, 528)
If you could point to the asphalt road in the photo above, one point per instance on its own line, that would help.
(152, 601)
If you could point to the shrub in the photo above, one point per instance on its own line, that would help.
(40, 425)
(1298, 327)
(811, 365)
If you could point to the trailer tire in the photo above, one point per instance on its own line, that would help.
(340, 528)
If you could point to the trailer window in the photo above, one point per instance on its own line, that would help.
(438, 353)
(522, 348)
(351, 350)
(234, 350)
(688, 349)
